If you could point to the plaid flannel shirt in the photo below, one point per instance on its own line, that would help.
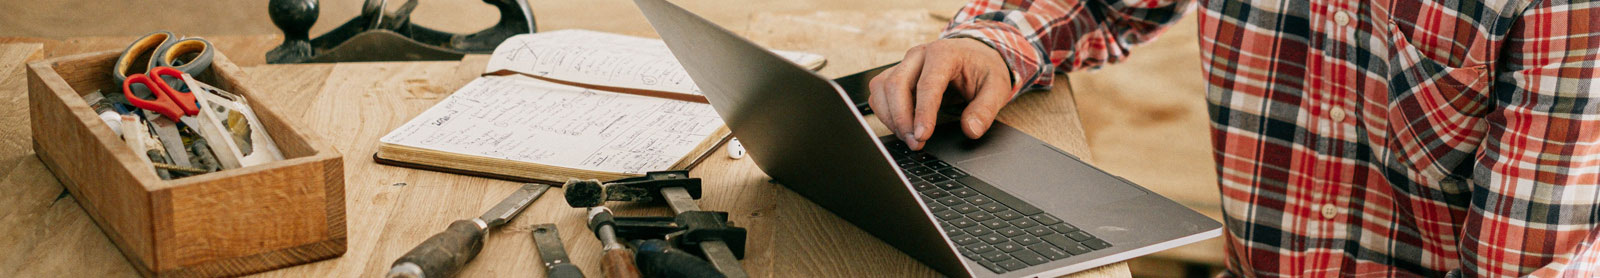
(1368, 138)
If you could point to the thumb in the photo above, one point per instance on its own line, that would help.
(993, 94)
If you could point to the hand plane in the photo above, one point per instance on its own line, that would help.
(377, 35)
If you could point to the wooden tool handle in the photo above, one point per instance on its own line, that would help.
(293, 17)
(618, 263)
(444, 253)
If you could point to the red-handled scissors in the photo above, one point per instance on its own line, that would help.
(168, 101)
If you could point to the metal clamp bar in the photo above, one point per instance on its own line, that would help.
(679, 199)
(722, 258)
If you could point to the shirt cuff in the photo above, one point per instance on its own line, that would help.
(1024, 59)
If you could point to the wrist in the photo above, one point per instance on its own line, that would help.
(991, 50)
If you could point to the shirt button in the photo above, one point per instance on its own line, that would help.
(1337, 114)
(1328, 211)
(1342, 18)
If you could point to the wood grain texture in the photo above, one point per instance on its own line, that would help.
(295, 204)
(618, 264)
(391, 209)
(247, 50)
(112, 193)
(38, 216)
(226, 223)
(13, 89)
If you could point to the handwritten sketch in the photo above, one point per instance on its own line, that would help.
(606, 59)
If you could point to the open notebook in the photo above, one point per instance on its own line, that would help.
(567, 104)
(608, 61)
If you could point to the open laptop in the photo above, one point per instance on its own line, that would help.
(1006, 205)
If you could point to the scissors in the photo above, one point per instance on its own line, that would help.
(166, 100)
(166, 106)
(163, 49)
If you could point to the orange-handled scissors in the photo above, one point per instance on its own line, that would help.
(167, 101)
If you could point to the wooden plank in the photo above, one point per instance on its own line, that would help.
(366, 98)
(13, 90)
(48, 234)
(291, 89)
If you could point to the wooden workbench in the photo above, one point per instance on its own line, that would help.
(43, 232)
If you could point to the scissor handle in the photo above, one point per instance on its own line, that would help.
(185, 98)
(161, 104)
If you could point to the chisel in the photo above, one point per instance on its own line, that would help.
(554, 255)
(444, 253)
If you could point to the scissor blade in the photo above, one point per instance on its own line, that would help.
(511, 206)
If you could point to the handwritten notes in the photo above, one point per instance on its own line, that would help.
(606, 59)
(527, 120)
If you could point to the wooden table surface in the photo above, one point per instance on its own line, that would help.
(43, 232)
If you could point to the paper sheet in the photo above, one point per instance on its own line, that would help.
(606, 59)
(528, 120)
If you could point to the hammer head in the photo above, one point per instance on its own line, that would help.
(589, 193)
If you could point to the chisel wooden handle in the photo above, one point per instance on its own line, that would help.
(443, 254)
(618, 263)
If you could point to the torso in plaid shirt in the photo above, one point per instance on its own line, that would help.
(1368, 138)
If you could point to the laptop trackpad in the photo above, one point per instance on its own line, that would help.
(1049, 179)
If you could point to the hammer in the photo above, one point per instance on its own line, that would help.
(706, 230)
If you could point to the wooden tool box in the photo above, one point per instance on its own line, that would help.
(226, 223)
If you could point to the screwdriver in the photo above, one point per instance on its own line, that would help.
(444, 253)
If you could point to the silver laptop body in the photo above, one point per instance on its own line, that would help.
(1006, 205)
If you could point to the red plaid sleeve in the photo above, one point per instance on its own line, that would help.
(1539, 167)
(1038, 37)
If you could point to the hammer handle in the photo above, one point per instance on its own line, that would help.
(618, 263)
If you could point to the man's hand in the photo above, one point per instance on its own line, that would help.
(907, 96)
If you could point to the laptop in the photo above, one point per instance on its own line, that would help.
(1005, 205)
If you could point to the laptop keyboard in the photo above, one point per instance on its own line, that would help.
(993, 228)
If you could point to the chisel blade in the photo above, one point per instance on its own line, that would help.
(548, 240)
(511, 206)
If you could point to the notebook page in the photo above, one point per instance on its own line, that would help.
(605, 59)
(522, 119)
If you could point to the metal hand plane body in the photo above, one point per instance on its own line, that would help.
(377, 35)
